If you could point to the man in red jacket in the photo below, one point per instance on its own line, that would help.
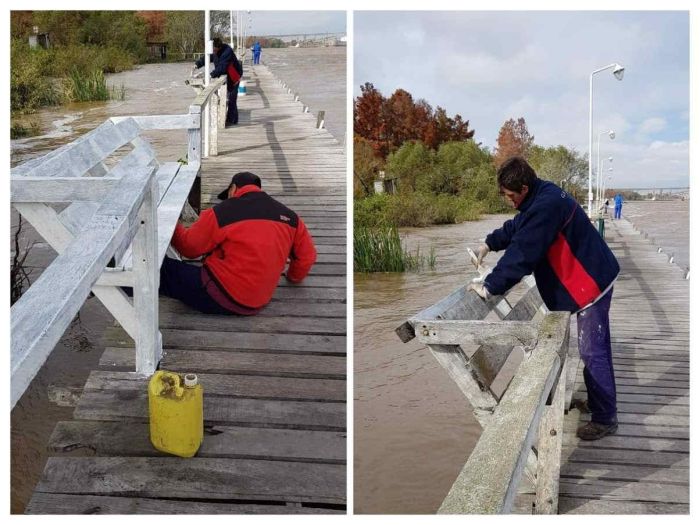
(246, 241)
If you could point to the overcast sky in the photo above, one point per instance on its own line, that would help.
(492, 66)
(287, 22)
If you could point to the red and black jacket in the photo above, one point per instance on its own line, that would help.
(248, 239)
(553, 238)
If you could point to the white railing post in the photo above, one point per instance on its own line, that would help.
(223, 106)
(214, 124)
(146, 281)
(194, 138)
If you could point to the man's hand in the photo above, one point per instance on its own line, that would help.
(477, 285)
(481, 252)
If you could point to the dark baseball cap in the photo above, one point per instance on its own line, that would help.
(242, 178)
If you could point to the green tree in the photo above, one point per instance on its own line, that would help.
(563, 166)
(184, 31)
(411, 162)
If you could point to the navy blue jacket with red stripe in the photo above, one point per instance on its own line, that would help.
(553, 238)
(248, 239)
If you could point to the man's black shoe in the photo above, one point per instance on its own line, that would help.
(581, 405)
(592, 431)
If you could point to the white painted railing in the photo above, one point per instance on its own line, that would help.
(527, 416)
(91, 214)
(211, 105)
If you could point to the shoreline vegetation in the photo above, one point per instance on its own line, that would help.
(418, 166)
(381, 250)
(75, 49)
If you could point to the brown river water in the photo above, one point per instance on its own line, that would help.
(414, 429)
(150, 89)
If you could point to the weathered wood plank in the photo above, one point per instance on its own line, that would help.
(623, 472)
(624, 490)
(569, 505)
(106, 438)
(132, 405)
(223, 362)
(492, 333)
(298, 389)
(46, 503)
(200, 478)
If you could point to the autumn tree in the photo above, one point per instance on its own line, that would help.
(513, 139)
(389, 123)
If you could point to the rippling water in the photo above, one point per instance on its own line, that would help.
(318, 75)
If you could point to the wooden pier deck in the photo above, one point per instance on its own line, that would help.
(644, 468)
(275, 384)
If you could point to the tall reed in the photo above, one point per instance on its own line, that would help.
(87, 87)
(381, 250)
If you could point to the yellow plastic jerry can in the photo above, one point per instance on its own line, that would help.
(175, 413)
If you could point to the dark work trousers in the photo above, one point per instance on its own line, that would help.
(183, 281)
(232, 112)
(618, 211)
(594, 346)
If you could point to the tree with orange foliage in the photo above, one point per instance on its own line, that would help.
(387, 124)
(513, 139)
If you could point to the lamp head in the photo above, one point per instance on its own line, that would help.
(619, 71)
(611, 134)
(610, 159)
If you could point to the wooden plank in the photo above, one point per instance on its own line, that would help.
(267, 324)
(59, 189)
(624, 491)
(200, 478)
(569, 505)
(162, 122)
(622, 472)
(105, 438)
(628, 457)
(46, 503)
(132, 405)
(223, 362)
(148, 342)
(492, 333)
(298, 389)
(549, 443)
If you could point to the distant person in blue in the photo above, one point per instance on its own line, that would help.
(257, 49)
(618, 206)
(226, 63)
(553, 238)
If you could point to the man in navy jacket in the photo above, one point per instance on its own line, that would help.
(222, 57)
(574, 269)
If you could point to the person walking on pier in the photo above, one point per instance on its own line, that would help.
(246, 241)
(618, 206)
(257, 49)
(574, 269)
(226, 63)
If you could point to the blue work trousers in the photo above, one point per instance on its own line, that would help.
(618, 211)
(594, 346)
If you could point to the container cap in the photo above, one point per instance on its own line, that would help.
(190, 380)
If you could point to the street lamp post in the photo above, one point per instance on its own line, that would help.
(611, 134)
(619, 72)
(600, 171)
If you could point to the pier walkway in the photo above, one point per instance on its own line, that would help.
(275, 384)
(644, 468)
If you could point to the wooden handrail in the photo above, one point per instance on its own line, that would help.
(489, 480)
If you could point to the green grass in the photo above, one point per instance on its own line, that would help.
(87, 87)
(380, 250)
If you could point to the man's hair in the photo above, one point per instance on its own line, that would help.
(217, 42)
(515, 173)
